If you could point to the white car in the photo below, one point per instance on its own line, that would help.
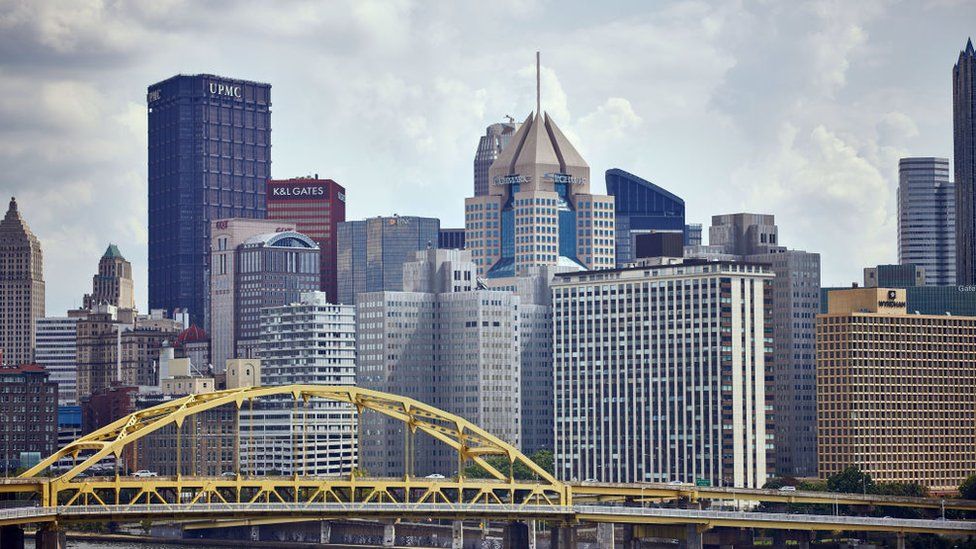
(787, 489)
(143, 473)
(435, 475)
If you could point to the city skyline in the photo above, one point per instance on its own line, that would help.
(846, 95)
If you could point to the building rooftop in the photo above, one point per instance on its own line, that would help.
(23, 368)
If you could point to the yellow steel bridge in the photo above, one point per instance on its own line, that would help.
(240, 499)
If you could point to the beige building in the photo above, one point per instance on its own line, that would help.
(21, 288)
(243, 372)
(225, 236)
(896, 392)
(113, 283)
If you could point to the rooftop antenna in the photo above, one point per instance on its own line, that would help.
(538, 85)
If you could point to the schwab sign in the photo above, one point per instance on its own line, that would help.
(304, 191)
(227, 90)
(511, 179)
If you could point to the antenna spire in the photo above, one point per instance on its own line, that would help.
(538, 85)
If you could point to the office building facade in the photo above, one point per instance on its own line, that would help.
(372, 252)
(112, 285)
(28, 416)
(927, 218)
(964, 158)
(226, 236)
(451, 238)
(57, 351)
(641, 207)
(920, 299)
(539, 209)
(309, 342)
(496, 138)
(315, 207)
(209, 158)
(896, 392)
(796, 301)
(21, 287)
(660, 373)
(444, 342)
(273, 269)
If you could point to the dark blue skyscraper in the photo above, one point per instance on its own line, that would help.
(209, 158)
(964, 140)
(641, 207)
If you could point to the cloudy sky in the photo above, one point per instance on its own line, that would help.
(801, 110)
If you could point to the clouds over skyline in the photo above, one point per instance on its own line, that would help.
(799, 110)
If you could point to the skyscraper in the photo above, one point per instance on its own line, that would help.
(490, 145)
(315, 207)
(641, 207)
(112, 284)
(371, 252)
(539, 210)
(57, 351)
(21, 287)
(796, 300)
(209, 158)
(964, 141)
(226, 235)
(927, 218)
(660, 373)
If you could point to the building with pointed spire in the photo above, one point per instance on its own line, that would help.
(539, 209)
(964, 139)
(112, 284)
(21, 287)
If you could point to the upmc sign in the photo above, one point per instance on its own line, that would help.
(227, 90)
(298, 191)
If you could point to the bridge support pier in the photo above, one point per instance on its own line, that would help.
(255, 533)
(12, 536)
(779, 539)
(901, 540)
(604, 535)
(325, 531)
(457, 535)
(563, 537)
(49, 538)
(693, 537)
(516, 536)
(389, 535)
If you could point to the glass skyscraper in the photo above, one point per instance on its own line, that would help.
(927, 218)
(490, 145)
(209, 158)
(641, 207)
(964, 139)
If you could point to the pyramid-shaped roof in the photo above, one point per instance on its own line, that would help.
(112, 252)
(539, 141)
(13, 225)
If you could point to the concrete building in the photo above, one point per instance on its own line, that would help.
(896, 392)
(964, 157)
(57, 351)
(28, 416)
(21, 287)
(226, 236)
(209, 158)
(112, 285)
(539, 209)
(272, 270)
(796, 301)
(309, 341)
(496, 138)
(660, 373)
(451, 238)
(117, 347)
(927, 218)
(445, 342)
(641, 207)
(920, 298)
(372, 252)
(315, 207)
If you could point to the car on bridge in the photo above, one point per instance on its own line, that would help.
(144, 473)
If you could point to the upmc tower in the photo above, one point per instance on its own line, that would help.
(315, 206)
(209, 158)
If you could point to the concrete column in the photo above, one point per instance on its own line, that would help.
(457, 535)
(12, 536)
(325, 531)
(389, 535)
(563, 537)
(532, 526)
(49, 538)
(804, 541)
(693, 538)
(901, 540)
(255, 533)
(604, 535)
(516, 536)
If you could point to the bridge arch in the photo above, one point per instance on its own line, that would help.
(469, 440)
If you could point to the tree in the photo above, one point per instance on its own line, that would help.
(967, 489)
(851, 481)
(542, 458)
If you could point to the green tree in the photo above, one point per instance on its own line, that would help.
(967, 489)
(542, 458)
(851, 481)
